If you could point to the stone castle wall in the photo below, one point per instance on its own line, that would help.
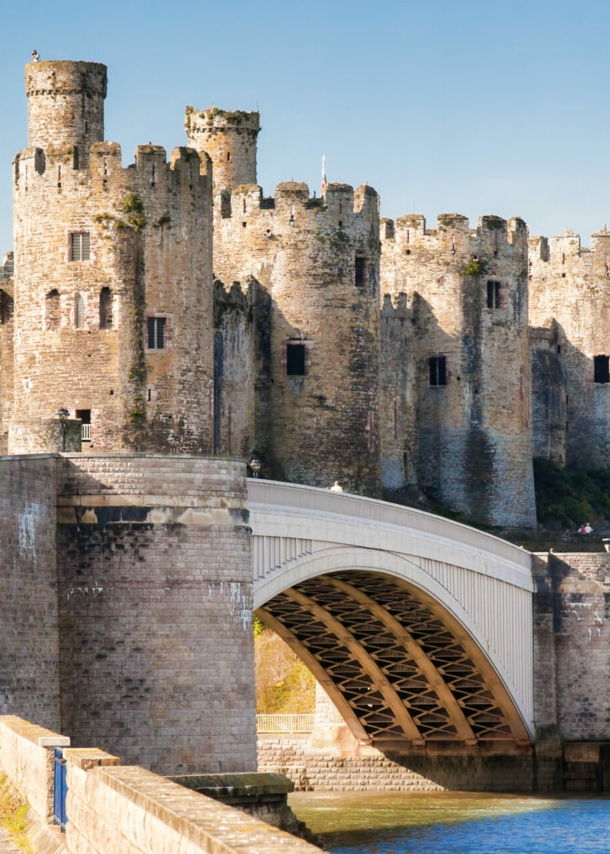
(293, 273)
(149, 229)
(7, 324)
(467, 290)
(299, 254)
(570, 294)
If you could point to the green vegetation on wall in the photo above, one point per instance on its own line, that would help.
(568, 497)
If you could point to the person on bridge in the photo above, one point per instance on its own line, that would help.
(336, 487)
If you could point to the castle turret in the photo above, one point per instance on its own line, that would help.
(317, 342)
(66, 105)
(570, 299)
(467, 290)
(113, 280)
(229, 138)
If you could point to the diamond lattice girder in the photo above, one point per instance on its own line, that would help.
(361, 629)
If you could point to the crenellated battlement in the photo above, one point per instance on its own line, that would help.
(453, 235)
(292, 205)
(565, 254)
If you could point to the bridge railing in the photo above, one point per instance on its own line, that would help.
(285, 723)
(313, 500)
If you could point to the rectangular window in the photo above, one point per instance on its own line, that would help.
(156, 333)
(493, 294)
(360, 274)
(601, 369)
(295, 360)
(438, 371)
(85, 417)
(80, 243)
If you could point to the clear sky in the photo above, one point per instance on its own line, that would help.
(470, 107)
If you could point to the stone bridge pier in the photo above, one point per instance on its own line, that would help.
(126, 606)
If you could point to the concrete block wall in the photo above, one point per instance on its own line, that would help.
(29, 639)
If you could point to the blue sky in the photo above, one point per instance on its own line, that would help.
(469, 107)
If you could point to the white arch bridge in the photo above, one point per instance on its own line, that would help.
(420, 629)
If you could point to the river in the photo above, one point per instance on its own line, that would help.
(454, 823)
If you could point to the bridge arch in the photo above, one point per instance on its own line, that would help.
(410, 648)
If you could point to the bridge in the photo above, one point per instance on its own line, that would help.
(419, 628)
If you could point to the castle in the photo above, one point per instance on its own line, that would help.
(173, 296)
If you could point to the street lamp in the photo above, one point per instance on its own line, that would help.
(255, 465)
(174, 441)
(63, 414)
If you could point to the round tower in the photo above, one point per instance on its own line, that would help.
(113, 281)
(66, 104)
(467, 291)
(229, 138)
(325, 338)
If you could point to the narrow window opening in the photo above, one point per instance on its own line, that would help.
(244, 224)
(86, 127)
(563, 257)
(438, 370)
(79, 311)
(493, 294)
(6, 307)
(149, 395)
(152, 183)
(51, 310)
(105, 308)
(601, 369)
(59, 177)
(559, 348)
(408, 235)
(340, 223)
(245, 208)
(156, 333)
(295, 360)
(105, 165)
(340, 206)
(228, 156)
(80, 246)
(360, 271)
(407, 251)
(85, 418)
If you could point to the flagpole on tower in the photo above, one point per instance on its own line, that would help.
(324, 182)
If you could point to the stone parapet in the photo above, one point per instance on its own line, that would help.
(110, 807)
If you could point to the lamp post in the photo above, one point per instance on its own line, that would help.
(63, 414)
(174, 441)
(255, 465)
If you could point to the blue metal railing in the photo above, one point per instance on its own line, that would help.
(60, 789)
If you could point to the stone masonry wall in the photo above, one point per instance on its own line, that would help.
(572, 664)
(570, 292)
(29, 631)
(7, 313)
(549, 395)
(81, 327)
(155, 590)
(467, 289)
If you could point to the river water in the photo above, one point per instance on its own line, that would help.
(454, 823)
